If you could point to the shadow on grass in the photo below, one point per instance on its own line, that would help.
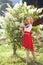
(30, 63)
(36, 63)
(23, 61)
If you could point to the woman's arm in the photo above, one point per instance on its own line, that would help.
(22, 25)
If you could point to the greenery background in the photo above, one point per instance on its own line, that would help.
(6, 47)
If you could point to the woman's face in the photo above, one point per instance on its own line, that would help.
(28, 21)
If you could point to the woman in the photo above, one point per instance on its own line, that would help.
(27, 42)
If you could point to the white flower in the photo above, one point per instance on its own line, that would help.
(17, 23)
(16, 6)
(16, 31)
(32, 10)
(28, 7)
(8, 5)
(20, 3)
(2, 20)
(25, 4)
(25, 11)
(15, 39)
(9, 9)
(8, 15)
(15, 18)
(41, 15)
(40, 26)
(21, 15)
(39, 10)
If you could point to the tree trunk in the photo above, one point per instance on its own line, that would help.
(14, 50)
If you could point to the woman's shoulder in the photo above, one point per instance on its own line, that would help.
(28, 25)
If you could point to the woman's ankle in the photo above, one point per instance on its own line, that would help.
(27, 61)
(34, 60)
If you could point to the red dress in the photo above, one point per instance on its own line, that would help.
(27, 39)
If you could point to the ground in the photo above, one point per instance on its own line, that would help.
(7, 58)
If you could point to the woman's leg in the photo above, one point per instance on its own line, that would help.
(27, 56)
(34, 56)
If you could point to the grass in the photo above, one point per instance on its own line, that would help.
(6, 57)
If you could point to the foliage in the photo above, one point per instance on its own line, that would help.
(21, 11)
(37, 34)
(13, 17)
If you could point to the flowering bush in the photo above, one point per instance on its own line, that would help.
(20, 11)
(13, 17)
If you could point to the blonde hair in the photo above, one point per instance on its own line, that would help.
(29, 17)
